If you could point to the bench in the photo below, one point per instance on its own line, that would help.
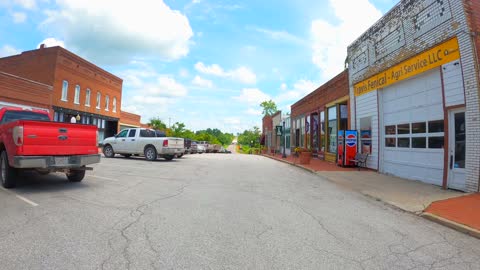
(360, 160)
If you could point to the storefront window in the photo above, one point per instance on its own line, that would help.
(322, 131)
(332, 129)
(302, 132)
(315, 132)
(308, 132)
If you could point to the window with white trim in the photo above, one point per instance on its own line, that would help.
(64, 91)
(418, 135)
(77, 94)
(107, 102)
(87, 97)
(99, 97)
(114, 109)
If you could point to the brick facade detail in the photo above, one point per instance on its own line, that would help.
(17, 90)
(51, 66)
(317, 100)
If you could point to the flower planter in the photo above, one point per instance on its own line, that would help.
(304, 157)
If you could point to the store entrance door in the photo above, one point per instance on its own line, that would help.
(456, 159)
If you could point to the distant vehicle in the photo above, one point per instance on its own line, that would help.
(188, 146)
(142, 141)
(30, 141)
(201, 149)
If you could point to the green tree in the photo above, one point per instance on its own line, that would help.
(269, 107)
(249, 136)
(156, 123)
(178, 129)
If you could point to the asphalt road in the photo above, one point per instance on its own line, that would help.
(214, 211)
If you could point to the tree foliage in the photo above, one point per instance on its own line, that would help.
(269, 107)
(178, 129)
(251, 136)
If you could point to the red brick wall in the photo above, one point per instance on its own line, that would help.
(130, 119)
(267, 124)
(472, 10)
(328, 92)
(14, 89)
(77, 71)
(53, 65)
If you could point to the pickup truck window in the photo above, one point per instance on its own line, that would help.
(147, 133)
(132, 133)
(160, 133)
(122, 134)
(11, 116)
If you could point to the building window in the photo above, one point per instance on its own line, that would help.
(366, 135)
(99, 96)
(418, 135)
(114, 109)
(107, 102)
(87, 98)
(77, 94)
(332, 129)
(65, 91)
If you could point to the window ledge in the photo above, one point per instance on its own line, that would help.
(65, 100)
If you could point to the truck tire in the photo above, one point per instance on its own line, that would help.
(76, 175)
(168, 157)
(108, 151)
(150, 153)
(7, 173)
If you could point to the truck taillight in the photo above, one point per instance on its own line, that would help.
(18, 135)
(165, 143)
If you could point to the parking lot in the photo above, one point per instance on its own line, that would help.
(213, 211)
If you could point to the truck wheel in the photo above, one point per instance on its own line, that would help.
(7, 173)
(76, 175)
(168, 157)
(108, 151)
(150, 153)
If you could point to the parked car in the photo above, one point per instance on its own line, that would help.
(30, 141)
(142, 141)
(201, 149)
(188, 146)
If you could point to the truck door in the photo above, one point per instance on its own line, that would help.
(120, 141)
(132, 142)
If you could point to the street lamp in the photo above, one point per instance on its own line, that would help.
(284, 140)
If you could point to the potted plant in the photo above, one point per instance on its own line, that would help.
(304, 155)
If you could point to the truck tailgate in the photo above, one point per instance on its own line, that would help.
(54, 138)
(175, 143)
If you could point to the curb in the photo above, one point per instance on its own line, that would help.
(296, 165)
(451, 224)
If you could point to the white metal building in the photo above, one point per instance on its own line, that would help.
(413, 80)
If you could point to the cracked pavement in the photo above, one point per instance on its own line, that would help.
(215, 211)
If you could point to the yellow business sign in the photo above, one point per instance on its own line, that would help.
(436, 56)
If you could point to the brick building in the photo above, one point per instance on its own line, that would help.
(129, 120)
(267, 131)
(20, 92)
(414, 86)
(81, 91)
(316, 118)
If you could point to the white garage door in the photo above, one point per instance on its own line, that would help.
(413, 128)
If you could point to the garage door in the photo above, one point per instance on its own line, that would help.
(413, 129)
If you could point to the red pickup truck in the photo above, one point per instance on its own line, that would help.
(29, 140)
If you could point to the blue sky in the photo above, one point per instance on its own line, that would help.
(206, 63)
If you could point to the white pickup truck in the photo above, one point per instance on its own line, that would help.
(142, 141)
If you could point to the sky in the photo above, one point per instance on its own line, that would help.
(206, 63)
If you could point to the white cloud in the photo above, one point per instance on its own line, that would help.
(19, 17)
(300, 89)
(252, 96)
(254, 112)
(281, 36)
(27, 4)
(184, 73)
(241, 74)
(330, 41)
(116, 35)
(200, 82)
(283, 86)
(52, 42)
(8, 50)
(165, 87)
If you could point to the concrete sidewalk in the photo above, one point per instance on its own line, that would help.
(448, 207)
